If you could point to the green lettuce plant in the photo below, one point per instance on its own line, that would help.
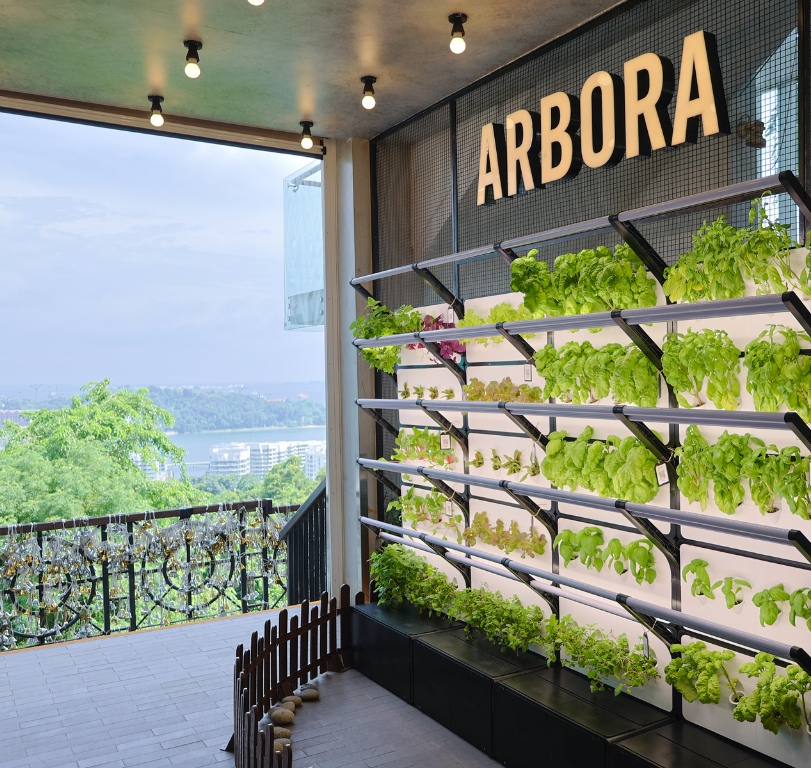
(424, 445)
(429, 509)
(694, 469)
(508, 539)
(775, 698)
(727, 458)
(377, 321)
(696, 674)
(501, 313)
(689, 359)
(779, 474)
(502, 391)
(777, 373)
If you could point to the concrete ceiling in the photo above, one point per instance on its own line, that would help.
(275, 64)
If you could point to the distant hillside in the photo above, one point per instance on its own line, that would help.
(204, 411)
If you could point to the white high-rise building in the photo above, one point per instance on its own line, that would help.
(259, 458)
(315, 460)
(230, 459)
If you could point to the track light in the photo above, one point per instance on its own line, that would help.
(306, 136)
(368, 100)
(156, 116)
(193, 58)
(458, 32)
(256, 2)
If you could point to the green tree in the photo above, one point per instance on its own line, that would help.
(286, 483)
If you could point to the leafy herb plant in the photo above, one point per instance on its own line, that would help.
(731, 590)
(800, 602)
(775, 698)
(423, 445)
(502, 391)
(506, 539)
(378, 320)
(767, 601)
(701, 579)
(697, 673)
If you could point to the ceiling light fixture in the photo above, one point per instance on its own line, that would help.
(256, 2)
(368, 100)
(458, 32)
(156, 116)
(306, 136)
(193, 58)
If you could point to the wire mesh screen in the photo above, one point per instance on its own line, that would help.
(386, 388)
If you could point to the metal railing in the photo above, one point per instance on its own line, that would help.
(86, 577)
(305, 535)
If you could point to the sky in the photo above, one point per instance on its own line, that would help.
(145, 259)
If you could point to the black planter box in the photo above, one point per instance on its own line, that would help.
(454, 678)
(684, 745)
(382, 638)
(551, 718)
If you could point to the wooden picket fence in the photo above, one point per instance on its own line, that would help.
(283, 658)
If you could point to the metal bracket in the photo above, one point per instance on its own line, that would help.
(796, 192)
(446, 295)
(527, 352)
(362, 291)
(649, 440)
(641, 247)
(799, 428)
(669, 634)
(506, 253)
(453, 431)
(648, 346)
(801, 543)
(385, 423)
(791, 301)
(801, 659)
(433, 350)
(442, 551)
(553, 601)
(541, 515)
(654, 535)
(462, 500)
(525, 426)
(381, 478)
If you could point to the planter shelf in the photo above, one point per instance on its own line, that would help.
(454, 678)
(683, 745)
(384, 638)
(551, 718)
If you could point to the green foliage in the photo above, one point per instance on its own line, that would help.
(512, 463)
(424, 445)
(495, 460)
(694, 469)
(723, 255)
(477, 461)
(203, 411)
(777, 373)
(506, 539)
(689, 359)
(502, 391)
(501, 313)
(586, 544)
(696, 674)
(378, 320)
(581, 373)
(767, 602)
(727, 458)
(775, 699)
(800, 602)
(429, 509)
(402, 574)
(774, 475)
(701, 582)
(504, 621)
(601, 655)
(535, 280)
(640, 556)
(448, 394)
(731, 590)
(620, 467)
(405, 392)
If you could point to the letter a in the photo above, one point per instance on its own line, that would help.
(492, 163)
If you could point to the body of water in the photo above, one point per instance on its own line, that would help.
(198, 444)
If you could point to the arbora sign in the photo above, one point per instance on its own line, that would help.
(614, 119)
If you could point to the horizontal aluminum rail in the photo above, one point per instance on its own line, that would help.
(636, 606)
(749, 305)
(787, 537)
(741, 191)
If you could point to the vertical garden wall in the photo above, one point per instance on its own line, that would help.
(659, 393)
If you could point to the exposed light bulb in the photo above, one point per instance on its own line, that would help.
(306, 136)
(193, 69)
(156, 118)
(306, 142)
(458, 32)
(458, 44)
(368, 101)
(193, 58)
(256, 2)
(156, 113)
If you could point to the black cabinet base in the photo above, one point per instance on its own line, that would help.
(551, 718)
(684, 745)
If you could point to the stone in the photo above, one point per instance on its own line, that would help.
(279, 744)
(281, 716)
(311, 684)
(309, 694)
(289, 705)
(294, 699)
(281, 733)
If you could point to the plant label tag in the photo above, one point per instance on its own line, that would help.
(527, 371)
(444, 441)
(449, 508)
(661, 474)
(645, 645)
(451, 315)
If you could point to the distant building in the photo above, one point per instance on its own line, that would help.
(315, 460)
(13, 416)
(259, 458)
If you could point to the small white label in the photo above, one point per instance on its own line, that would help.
(661, 474)
(445, 441)
(451, 315)
(528, 371)
(449, 508)
(645, 645)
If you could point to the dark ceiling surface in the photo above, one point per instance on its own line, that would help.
(275, 64)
